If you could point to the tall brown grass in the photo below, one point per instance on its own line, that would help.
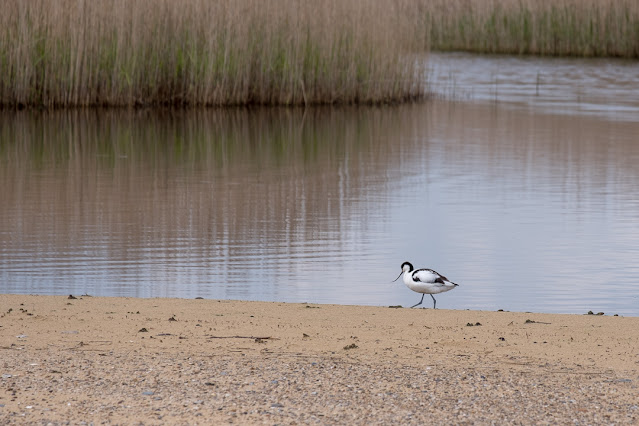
(208, 52)
(285, 52)
(541, 27)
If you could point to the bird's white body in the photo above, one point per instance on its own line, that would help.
(425, 281)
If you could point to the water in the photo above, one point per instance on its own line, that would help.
(604, 88)
(528, 208)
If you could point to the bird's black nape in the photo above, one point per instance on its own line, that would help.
(410, 266)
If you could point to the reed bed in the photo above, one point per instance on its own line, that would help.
(542, 27)
(58, 53)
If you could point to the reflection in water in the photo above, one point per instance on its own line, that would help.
(223, 203)
(526, 211)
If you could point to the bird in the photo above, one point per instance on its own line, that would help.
(425, 281)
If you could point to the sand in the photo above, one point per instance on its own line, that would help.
(174, 361)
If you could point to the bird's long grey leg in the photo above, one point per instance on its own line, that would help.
(420, 302)
(434, 301)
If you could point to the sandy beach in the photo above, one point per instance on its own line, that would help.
(102, 360)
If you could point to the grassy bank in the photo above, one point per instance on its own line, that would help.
(200, 52)
(541, 27)
(60, 53)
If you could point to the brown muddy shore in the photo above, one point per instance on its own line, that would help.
(174, 361)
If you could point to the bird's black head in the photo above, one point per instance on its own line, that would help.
(407, 266)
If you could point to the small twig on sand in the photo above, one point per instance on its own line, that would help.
(242, 337)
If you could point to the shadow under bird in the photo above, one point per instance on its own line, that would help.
(425, 281)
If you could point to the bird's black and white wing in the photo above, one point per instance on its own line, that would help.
(428, 276)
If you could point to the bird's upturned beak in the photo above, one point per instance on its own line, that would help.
(400, 274)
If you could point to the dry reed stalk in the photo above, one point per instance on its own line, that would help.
(200, 52)
(543, 27)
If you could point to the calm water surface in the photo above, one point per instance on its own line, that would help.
(528, 208)
(604, 88)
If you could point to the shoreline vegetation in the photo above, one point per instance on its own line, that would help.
(64, 53)
(583, 28)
